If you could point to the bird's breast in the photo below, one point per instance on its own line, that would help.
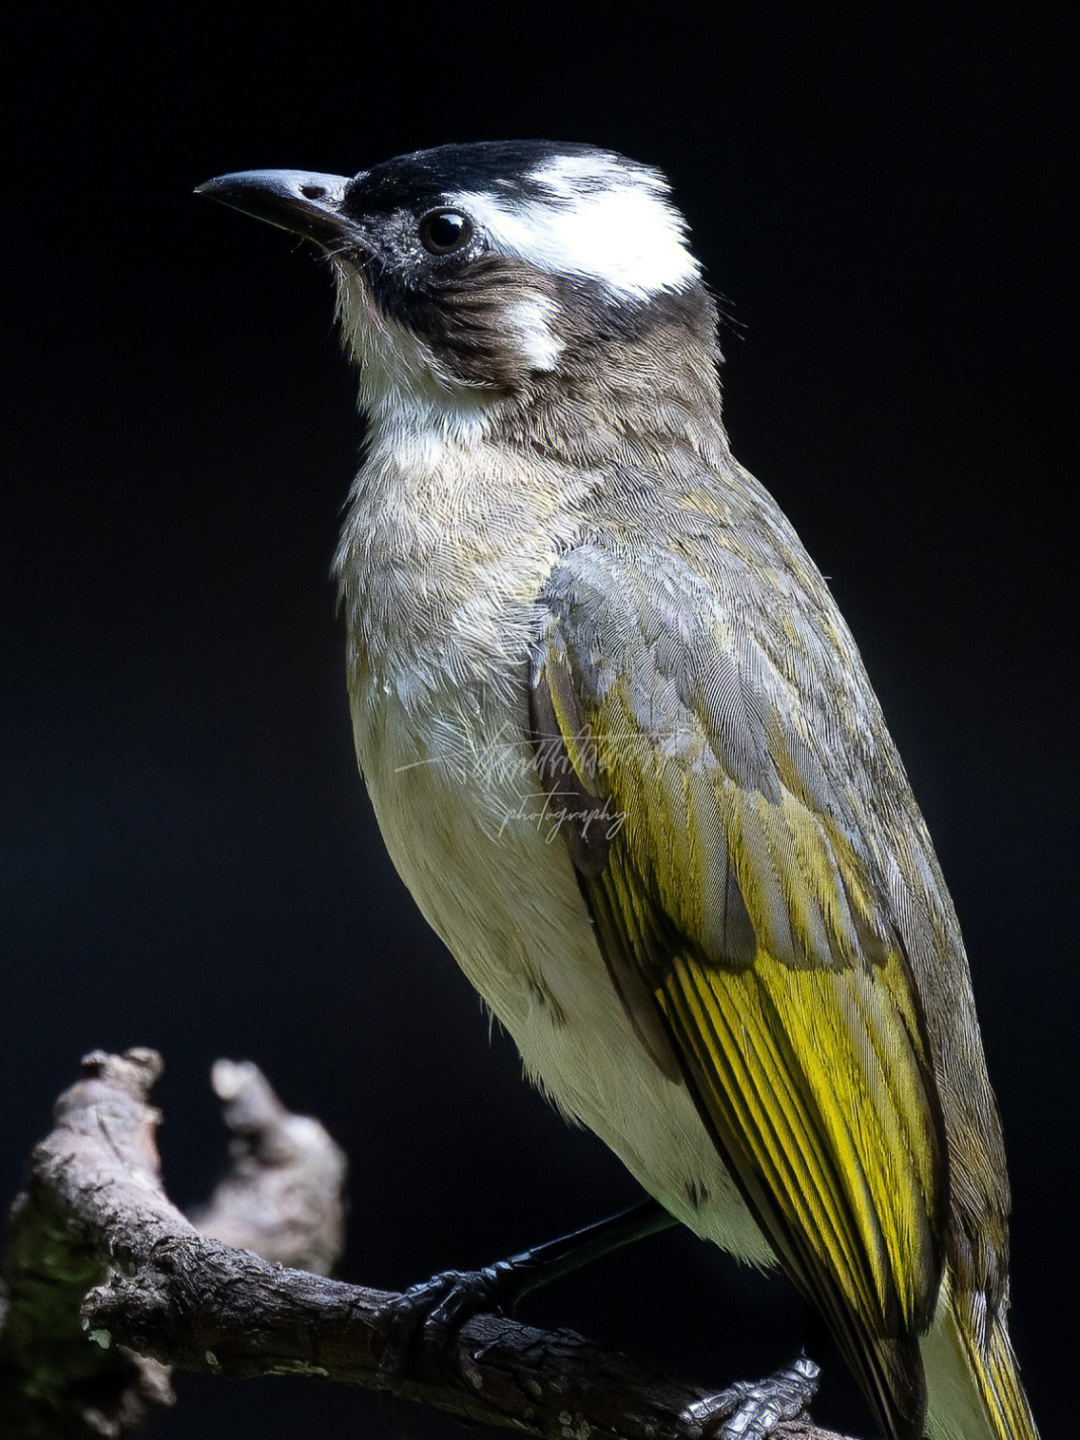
(453, 782)
(441, 566)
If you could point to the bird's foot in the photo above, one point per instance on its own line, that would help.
(752, 1410)
(436, 1309)
(440, 1306)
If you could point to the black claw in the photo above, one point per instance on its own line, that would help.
(752, 1411)
(466, 1294)
(438, 1307)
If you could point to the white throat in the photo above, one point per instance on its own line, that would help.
(414, 406)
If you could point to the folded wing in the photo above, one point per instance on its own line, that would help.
(750, 938)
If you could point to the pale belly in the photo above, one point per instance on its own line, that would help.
(466, 827)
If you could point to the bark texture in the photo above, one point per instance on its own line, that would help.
(109, 1287)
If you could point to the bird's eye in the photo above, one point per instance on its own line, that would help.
(444, 231)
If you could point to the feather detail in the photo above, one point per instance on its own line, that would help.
(740, 919)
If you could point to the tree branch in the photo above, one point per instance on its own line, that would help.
(97, 1253)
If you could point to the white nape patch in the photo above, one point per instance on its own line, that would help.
(528, 319)
(415, 406)
(607, 219)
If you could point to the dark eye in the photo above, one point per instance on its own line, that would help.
(444, 231)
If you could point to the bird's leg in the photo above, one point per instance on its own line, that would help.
(446, 1301)
(752, 1410)
(744, 1411)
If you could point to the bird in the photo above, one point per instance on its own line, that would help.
(623, 751)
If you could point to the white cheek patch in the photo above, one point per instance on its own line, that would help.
(605, 220)
(529, 321)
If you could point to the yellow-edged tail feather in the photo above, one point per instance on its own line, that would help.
(974, 1384)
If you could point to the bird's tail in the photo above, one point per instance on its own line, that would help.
(973, 1380)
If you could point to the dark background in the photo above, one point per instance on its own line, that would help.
(191, 862)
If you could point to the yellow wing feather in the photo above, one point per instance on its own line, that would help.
(745, 917)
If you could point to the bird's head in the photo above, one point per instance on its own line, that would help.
(473, 274)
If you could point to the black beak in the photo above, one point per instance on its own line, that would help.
(308, 205)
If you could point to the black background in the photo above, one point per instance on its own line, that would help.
(191, 862)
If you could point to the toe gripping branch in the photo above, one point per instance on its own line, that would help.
(753, 1410)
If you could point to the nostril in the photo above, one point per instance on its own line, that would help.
(313, 192)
